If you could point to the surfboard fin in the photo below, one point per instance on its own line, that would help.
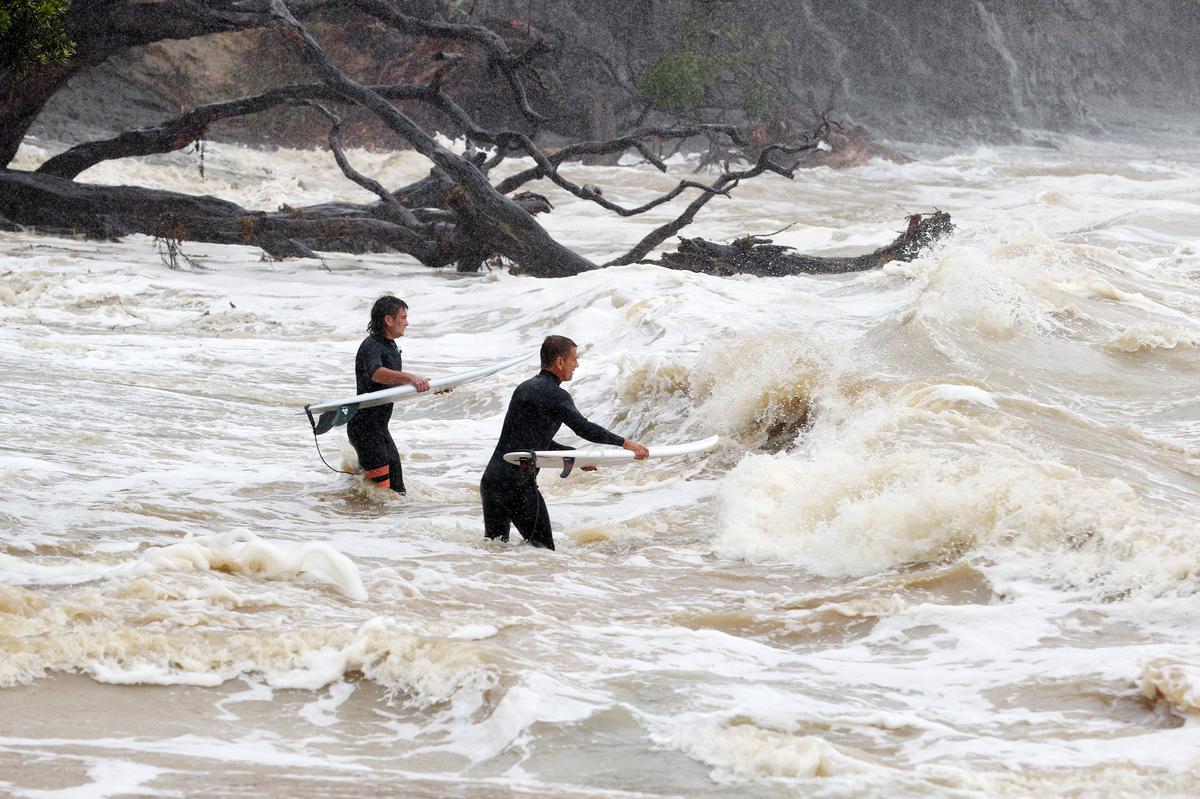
(330, 419)
(568, 465)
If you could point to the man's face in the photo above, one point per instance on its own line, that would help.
(567, 364)
(394, 325)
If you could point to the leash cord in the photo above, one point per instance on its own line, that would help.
(317, 444)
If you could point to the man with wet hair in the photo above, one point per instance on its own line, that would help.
(378, 366)
(538, 407)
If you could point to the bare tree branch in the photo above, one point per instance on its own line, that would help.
(394, 209)
(525, 240)
(632, 140)
(176, 133)
(501, 57)
(730, 179)
(547, 167)
(179, 132)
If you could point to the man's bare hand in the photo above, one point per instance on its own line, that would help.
(640, 453)
(418, 382)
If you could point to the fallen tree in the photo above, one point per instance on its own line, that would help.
(454, 216)
(756, 255)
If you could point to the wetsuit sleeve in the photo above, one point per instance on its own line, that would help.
(372, 359)
(569, 415)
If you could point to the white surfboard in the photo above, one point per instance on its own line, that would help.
(337, 412)
(568, 459)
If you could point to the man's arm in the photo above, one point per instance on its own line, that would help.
(572, 418)
(390, 377)
(639, 452)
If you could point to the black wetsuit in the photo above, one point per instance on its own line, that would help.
(368, 428)
(510, 494)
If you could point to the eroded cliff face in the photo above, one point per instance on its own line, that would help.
(937, 70)
(942, 68)
(990, 69)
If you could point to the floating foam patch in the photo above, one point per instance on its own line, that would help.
(1175, 681)
(245, 553)
(1147, 337)
(747, 752)
(426, 669)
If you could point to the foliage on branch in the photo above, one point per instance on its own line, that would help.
(723, 60)
(459, 10)
(32, 34)
(678, 80)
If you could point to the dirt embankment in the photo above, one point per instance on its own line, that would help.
(147, 85)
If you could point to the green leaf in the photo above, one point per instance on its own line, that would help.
(32, 33)
(678, 80)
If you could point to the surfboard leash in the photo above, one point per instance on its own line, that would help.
(317, 443)
(320, 455)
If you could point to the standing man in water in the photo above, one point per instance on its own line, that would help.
(378, 366)
(538, 407)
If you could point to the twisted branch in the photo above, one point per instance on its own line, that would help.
(730, 179)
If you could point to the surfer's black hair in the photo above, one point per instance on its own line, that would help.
(555, 347)
(387, 305)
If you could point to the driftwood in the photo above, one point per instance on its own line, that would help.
(758, 256)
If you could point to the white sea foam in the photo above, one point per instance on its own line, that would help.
(425, 670)
(1148, 337)
(745, 752)
(245, 552)
(945, 549)
(239, 552)
(1176, 681)
(107, 778)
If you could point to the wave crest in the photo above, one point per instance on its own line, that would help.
(426, 669)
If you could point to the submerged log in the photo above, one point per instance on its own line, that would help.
(57, 205)
(758, 256)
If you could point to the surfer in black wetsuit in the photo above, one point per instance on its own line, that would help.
(378, 366)
(538, 407)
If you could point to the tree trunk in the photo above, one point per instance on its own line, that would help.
(21, 101)
(498, 218)
(63, 206)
